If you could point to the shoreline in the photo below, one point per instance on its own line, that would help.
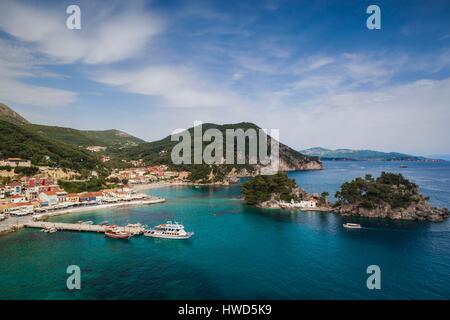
(12, 224)
(157, 185)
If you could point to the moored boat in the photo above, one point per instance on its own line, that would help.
(169, 230)
(50, 230)
(352, 225)
(117, 234)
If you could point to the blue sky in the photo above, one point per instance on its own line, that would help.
(309, 68)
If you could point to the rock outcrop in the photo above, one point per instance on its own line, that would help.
(416, 211)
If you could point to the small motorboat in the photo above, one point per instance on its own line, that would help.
(134, 225)
(50, 230)
(117, 234)
(352, 226)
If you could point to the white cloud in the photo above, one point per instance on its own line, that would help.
(175, 86)
(17, 62)
(114, 36)
(17, 92)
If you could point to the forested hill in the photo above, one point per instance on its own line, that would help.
(160, 151)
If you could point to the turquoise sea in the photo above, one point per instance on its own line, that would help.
(240, 252)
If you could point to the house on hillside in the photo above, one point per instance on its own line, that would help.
(14, 188)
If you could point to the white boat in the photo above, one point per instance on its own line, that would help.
(50, 230)
(134, 225)
(169, 230)
(2, 217)
(352, 225)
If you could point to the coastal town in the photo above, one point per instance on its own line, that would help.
(39, 196)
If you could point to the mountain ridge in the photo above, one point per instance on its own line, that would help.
(83, 138)
(362, 155)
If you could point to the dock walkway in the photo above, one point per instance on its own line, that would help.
(80, 227)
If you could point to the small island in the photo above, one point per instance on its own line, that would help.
(389, 196)
(278, 191)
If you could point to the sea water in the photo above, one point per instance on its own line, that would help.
(241, 252)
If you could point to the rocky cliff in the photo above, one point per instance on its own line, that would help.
(421, 210)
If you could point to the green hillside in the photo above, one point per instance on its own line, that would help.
(106, 138)
(19, 141)
(159, 152)
(7, 114)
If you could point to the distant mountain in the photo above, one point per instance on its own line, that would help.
(445, 157)
(361, 155)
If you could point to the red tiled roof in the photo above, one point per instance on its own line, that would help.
(16, 196)
(50, 193)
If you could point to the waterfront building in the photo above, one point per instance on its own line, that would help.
(61, 195)
(16, 198)
(48, 198)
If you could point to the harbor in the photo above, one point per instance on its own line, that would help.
(14, 223)
(136, 229)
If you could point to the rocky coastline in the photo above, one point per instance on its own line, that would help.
(421, 211)
(277, 204)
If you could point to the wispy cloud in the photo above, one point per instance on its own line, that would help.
(117, 33)
(174, 86)
(18, 63)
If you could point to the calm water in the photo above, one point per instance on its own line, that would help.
(239, 251)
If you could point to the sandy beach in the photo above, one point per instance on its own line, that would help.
(157, 185)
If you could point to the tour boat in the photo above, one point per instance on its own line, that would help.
(169, 230)
(352, 225)
(116, 234)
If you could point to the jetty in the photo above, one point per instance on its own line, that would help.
(134, 230)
